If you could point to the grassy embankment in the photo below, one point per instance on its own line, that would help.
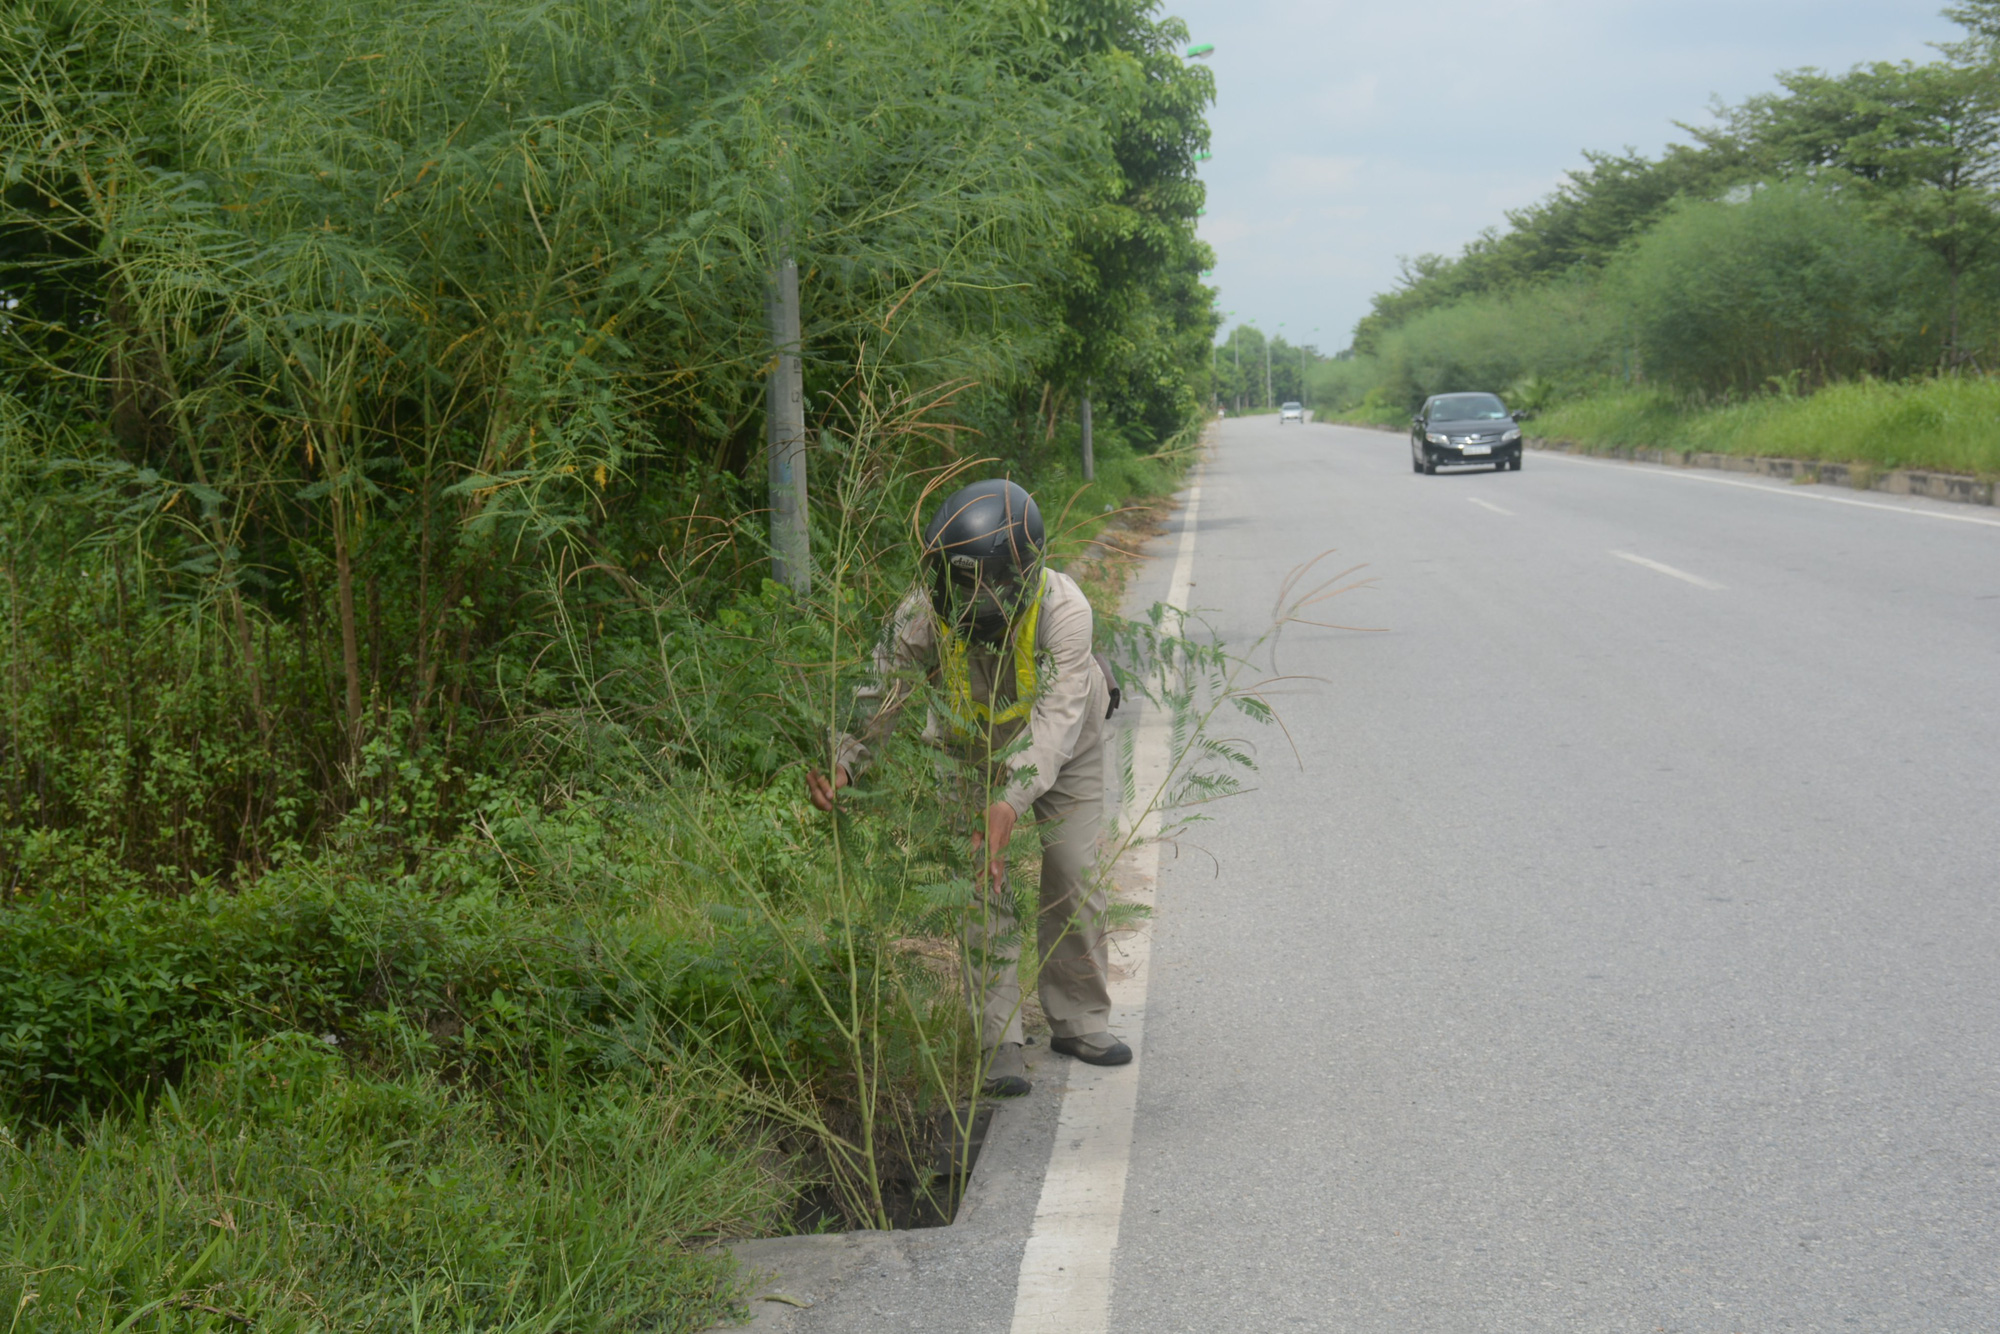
(1946, 424)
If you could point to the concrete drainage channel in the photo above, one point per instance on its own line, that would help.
(923, 1194)
(787, 1280)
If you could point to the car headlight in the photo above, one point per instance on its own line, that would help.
(1511, 436)
(1434, 438)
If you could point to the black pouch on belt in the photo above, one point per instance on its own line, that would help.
(1110, 679)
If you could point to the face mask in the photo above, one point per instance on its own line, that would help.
(984, 608)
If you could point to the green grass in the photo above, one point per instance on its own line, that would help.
(1949, 424)
(524, 1091)
(280, 1189)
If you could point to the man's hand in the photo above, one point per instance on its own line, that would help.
(1000, 819)
(820, 790)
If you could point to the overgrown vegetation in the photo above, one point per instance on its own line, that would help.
(408, 915)
(1841, 233)
(1945, 423)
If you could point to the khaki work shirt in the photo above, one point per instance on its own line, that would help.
(1071, 701)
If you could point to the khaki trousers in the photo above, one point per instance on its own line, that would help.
(1069, 929)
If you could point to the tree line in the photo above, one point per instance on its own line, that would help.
(1845, 225)
(1252, 371)
(331, 331)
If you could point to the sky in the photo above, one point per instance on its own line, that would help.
(1348, 133)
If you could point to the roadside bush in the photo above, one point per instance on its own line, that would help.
(1563, 335)
(101, 1005)
(101, 1001)
(1339, 386)
(1795, 286)
(1559, 331)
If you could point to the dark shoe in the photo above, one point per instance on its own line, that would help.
(1096, 1048)
(1006, 1073)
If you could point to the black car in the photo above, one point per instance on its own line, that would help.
(1465, 428)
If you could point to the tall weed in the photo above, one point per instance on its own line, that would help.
(279, 1188)
(1950, 423)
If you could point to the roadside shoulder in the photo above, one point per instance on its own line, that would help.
(1960, 488)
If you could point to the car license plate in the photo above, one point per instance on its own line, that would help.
(1478, 449)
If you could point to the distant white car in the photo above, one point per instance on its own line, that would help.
(1292, 412)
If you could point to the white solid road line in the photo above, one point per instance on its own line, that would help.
(1065, 1282)
(1795, 492)
(1489, 505)
(1694, 579)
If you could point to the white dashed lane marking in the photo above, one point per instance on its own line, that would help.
(1489, 505)
(1669, 570)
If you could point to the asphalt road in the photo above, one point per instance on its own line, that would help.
(1624, 953)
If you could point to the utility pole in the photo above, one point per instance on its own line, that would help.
(1089, 456)
(784, 388)
(1236, 350)
(785, 414)
(1267, 372)
(1273, 392)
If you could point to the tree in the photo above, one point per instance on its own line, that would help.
(1796, 286)
(1919, 143)
(348, 323)
(1132, 315)
(1600, 209)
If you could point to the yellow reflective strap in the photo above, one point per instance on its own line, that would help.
(957, 676)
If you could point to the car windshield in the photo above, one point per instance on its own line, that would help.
(1291, 407)
(1468, 408)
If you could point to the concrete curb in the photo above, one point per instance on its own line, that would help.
(1953, 486)
(1857, 476)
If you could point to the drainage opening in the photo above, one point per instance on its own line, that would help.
(922, 1185)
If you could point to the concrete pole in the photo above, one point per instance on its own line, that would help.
(1267, 373)
(1089, 454)
(785, 414)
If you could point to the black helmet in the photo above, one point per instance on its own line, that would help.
(982, 556)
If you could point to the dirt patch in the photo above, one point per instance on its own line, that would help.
(1106, 562)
